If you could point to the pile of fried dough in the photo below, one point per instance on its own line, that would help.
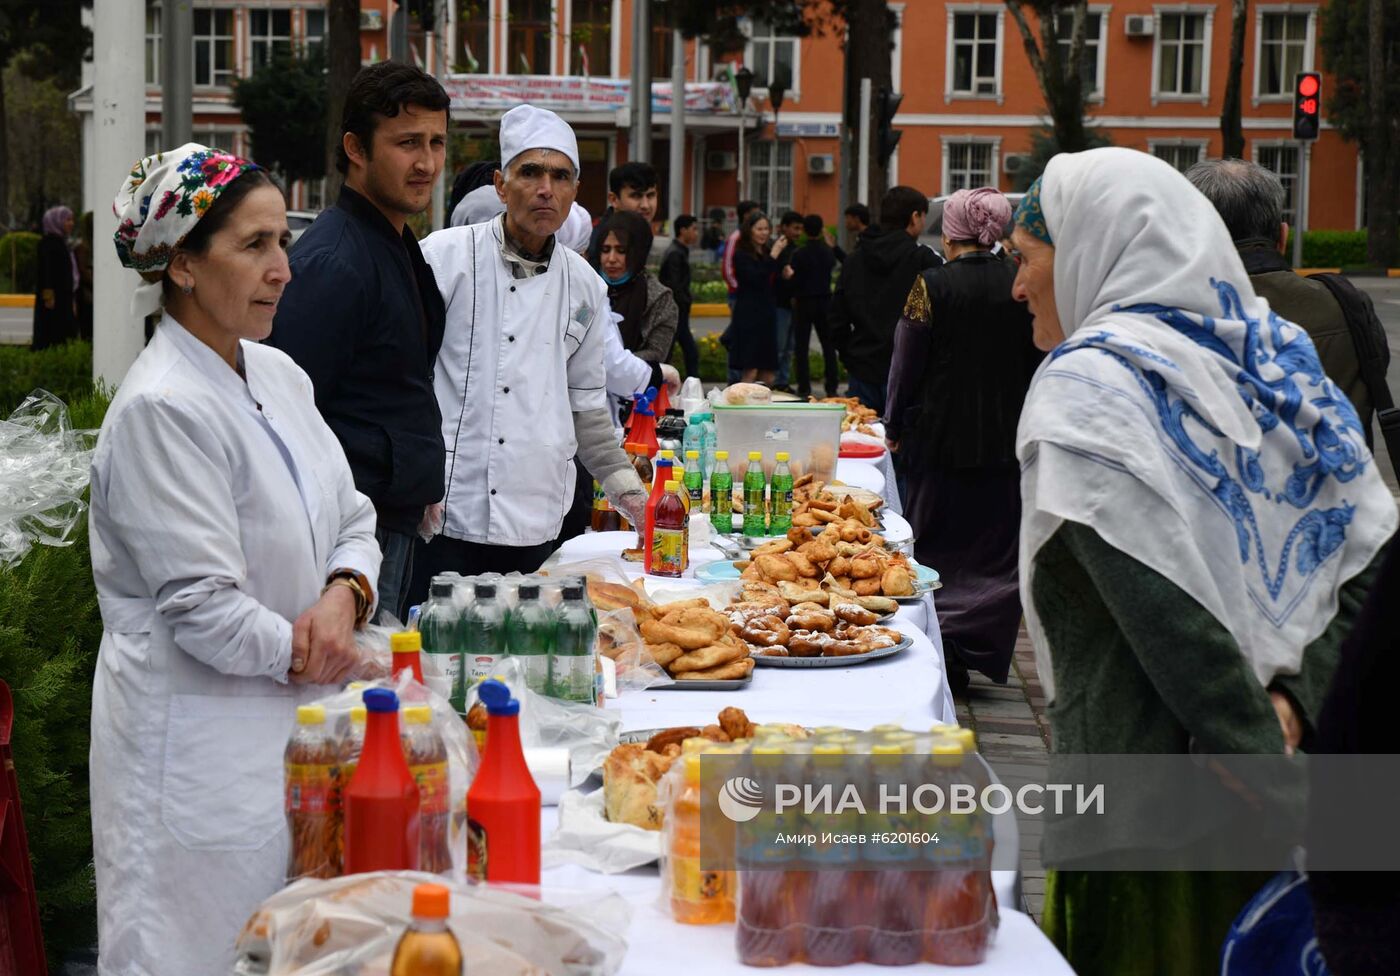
(826, 625)
(858, 417)
(845, 559)
(687, 638)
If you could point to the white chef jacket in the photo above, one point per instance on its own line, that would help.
(518, 357)
(626, 374)
(213, 526)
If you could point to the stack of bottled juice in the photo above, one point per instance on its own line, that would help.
(888, 903)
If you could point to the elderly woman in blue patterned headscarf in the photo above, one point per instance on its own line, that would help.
(1201, 520)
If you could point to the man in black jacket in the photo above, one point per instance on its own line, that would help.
(874, 284)
(675, 275)
(363, 315)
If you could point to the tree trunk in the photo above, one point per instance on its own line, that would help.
(1061, 84)
(342, 64)
(4, 156)
(869, 38)
(1231, 120)
(1382, 171)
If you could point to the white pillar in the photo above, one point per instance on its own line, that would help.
(119, 120)
(675, 190)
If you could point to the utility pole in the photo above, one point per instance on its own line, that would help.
(639, 139)
(863, 170)
(176, 72)
(398, 34)
(437, 33)
(675, 192)
(119, 110)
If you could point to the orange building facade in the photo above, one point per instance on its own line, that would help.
(971, 101)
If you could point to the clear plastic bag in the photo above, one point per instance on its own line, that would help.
(44, 469)
(352, 925)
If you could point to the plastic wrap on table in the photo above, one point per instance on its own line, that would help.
(44, 471)
(352, 924)
(586, 837)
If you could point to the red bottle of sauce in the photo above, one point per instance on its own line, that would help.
(641, 424)
(381, 802)
(406, 648)
(503, 804)
(664, 472)
(668, 552)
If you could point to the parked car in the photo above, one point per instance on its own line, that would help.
(933, 226)
(299, 220)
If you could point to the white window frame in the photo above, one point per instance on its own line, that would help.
(1100, 50)
(773, 168)
(153, 41)
(501, 14)
(304, 38)
(1292, 204)
(236, 142)
(493, 18)
(998, 95)
(233, 39)
(252, 39)
(1201, 145)
(948, 141)
(1209, 13)
(1309, 49)
(794, 92)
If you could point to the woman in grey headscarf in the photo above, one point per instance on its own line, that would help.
(55, 282)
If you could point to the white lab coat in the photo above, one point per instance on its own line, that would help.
(213, 526)
(519, 356)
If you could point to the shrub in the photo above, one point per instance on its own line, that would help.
(19, 260)
(1330, 248)
(65, 371)
(709, 291)
(714, 361)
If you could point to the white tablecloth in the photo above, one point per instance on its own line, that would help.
(884, 464)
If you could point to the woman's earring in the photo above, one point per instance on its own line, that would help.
(187, 289)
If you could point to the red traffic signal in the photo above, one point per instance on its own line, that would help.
(1307, 105)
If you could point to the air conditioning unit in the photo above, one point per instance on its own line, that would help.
(1139, 25)
(723, 72)
(1013, 163)
(721, 162)
(371, 20)
(821, 163)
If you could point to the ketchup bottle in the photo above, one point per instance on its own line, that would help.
(665, 470)
(381, 802)
(641, 425)
(503, 804)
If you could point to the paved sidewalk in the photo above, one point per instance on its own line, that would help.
(1011, 727)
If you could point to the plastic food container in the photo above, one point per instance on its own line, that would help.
(809, 432)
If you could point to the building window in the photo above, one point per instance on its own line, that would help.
(269, 36)
(1283, 161)
(591, 38)
(770, 176)
(315, 194)
(315, 33)
(474, 37)
(527, 38)
(1181, 54)
(152, 44)
(662, 21)
(1181, 155)
(976, 38)
(969, 165)
(772, 57)
(213, 47)
(1283, 51)
(1089, 74)
(216, 139)
(153, 141)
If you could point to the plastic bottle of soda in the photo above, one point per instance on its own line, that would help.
(483, 635)
(694, 480)
(769, 912)
(573, 667)
(503, 803)
(381, 802)
(405, 649)
(428, 948)
(311, 765)
(530, 636)
(695, 441)
(697, 897)
(960, 904)
(663, 472)
(833, 933)
(755, 502)
(426, 755)
(780, 505)
(722, 495)
(896, 889)
(668, 552)
(441, 629)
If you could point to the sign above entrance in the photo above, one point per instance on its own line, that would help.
(798, 129)
(577, 94)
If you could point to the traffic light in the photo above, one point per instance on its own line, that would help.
(886, 135)
(1307, 105)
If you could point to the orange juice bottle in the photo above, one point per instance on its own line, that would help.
(697, 897)
(428, 948)
(669, 534)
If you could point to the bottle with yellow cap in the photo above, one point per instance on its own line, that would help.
(697, 897)
(896, 889)
(405, 648)
(771, 903)
(780, 500)
(722, 495)
(428, 948)
(426, 755)
(669, 547)
(834, 931)
(755, 496)
(310, 765)
(959, 903)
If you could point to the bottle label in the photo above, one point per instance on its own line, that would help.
(476, 851)
(782, 505)
(310, 788)
(483, 666)
(695, 885)
(432, 787)
(667, 552)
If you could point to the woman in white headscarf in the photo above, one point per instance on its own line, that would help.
(1201, 519)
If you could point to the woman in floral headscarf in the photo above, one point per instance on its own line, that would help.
(1201, 519)
(55, 282)
(232, 557)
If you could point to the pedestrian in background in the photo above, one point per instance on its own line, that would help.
(856, 218)
(632, 187)
(647, 308)
(872, 289)
(752, 336)
(963, 359)
(812, 264)
(675, 275)
(790, 226)
(55, 283)
(731, 245)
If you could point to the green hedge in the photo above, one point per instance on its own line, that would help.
(50, 630)
(1331, 248)
(19, 260)
(709, 291)
(65, 371)
(714, 362)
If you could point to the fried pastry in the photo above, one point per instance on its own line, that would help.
(732, 671)
(707, 657)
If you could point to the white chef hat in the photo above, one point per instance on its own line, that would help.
(577, 229)
(526, 127)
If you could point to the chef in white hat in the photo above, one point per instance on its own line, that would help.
(520, 377)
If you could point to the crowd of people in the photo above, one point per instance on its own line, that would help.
(1100, 421)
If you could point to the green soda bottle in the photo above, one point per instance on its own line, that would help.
(483, 634)
(780, 505)
(694, 481)
(755, 508)
(441, 627)
(571, 671)
(530, 636)
(722, 495)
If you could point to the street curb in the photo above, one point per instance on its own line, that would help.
(1354, 272)
(16, 301)
(709, 310)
